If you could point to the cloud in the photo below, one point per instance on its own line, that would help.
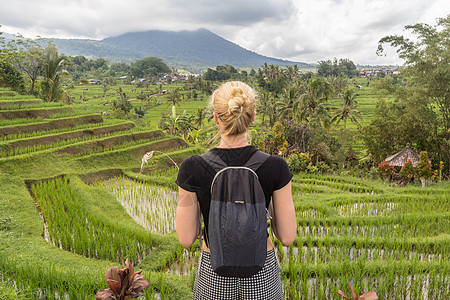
(103, 18)
(299, 30)
(324, 29)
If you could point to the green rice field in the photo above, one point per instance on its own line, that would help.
(75, 203)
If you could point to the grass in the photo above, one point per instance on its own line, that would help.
(33, 144)
(15, 105)
(23, 247)
(8, 291)
(393, 240)
(155, 107)
(41, 133)
(337, 241)
(62, 273)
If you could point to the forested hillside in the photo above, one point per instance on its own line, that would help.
(192, 50)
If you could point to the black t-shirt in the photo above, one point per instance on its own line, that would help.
(195, 175)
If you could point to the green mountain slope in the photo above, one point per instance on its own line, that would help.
(200, 48)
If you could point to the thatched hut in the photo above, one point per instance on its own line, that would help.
(399, 159)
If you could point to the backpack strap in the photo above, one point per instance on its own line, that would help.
(218, 164)
(214, 161)
(256, 160)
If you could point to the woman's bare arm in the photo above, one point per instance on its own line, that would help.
(284, 223)
(187, 217)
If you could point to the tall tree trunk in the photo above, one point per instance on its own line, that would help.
(32, 88)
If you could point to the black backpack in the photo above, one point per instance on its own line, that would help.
(237, 226)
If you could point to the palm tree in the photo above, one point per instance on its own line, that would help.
(266, 107)
(53, 73)
(200, 116)
(339, 83)
(313, 102)
(105, 89)
(292, 72)
(347, 110)
(175, 97)
(288, 105)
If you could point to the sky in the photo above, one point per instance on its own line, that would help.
(298, 30)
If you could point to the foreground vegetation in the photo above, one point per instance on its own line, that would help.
(66, 218)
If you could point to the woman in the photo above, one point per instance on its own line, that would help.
(234, 106)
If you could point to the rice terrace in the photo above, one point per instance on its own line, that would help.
(74, 201)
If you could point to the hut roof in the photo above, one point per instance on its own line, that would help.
(399, 159)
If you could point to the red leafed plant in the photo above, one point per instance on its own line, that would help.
(385, 170)
(366, 296)
(123, 284)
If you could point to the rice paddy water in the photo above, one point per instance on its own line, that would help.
(151, 206)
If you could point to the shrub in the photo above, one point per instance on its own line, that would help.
(323, 167)
(424, 171)
(123, 284)
(272, 141)
(293, 162)
(424, 166)
(298, 162)
(139, 112)
(385, 170)
(408, 171)
(312, 169)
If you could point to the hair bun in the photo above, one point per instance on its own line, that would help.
(234, 103)
(237, 92)
(237, 100)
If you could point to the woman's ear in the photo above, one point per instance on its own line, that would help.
(216, 118)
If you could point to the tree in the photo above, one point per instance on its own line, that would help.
(272, 78)
(339, 83)
(287, 106)
(266, 107)
(200, 116)
(347, 110)
(147, 67)
(27, 56)
(292, 72)
(427, 67)
(123, 103)
(407, 172)
(11, 77)
(313, 102)
(221, 73)
(175, 97)
(326, 68)
(396, 123)
(104, 89)
(424, 171)
(53, 73)
(120, 67)
(343, 66)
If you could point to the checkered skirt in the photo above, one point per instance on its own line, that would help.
(266, 284)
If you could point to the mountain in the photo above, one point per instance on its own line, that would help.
(198, 49)
(7, 36)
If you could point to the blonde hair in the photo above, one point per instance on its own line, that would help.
(234, 103)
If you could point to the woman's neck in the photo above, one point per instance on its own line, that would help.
(233, 141)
